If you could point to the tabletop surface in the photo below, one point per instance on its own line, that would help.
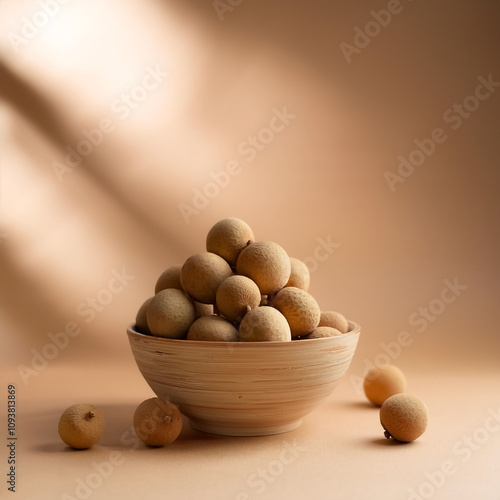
(339, 451)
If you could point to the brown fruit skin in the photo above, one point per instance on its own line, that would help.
(236, 296)
(213, 328)
(264, 324)
(266, 263)
(321, 332)
(382, 383)
(203, 309)
(299, 308)
(404, 417)
(170, 314)
(157, 422)
(299, 275)
(228, 238)
(141, 320)
(334, 320)
(170, 278)
(202, 274)
(81, 426)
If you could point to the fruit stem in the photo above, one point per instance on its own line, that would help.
(166, 418)
(387, 434)
(89, 415)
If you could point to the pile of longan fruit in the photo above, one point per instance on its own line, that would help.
(239, 290)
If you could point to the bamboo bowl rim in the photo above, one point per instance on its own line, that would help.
(354, 329)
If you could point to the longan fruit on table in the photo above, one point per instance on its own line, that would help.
(213, 328)
(335, 320)
(299, 308)
(264, 324)
(157, 422)
(266, 263)
(81, 426)
(236, 296)
(382, 382)
(228, 237)
(404, 417)
(202, 274)
(170, 314)
(299, 275)
(170, 278)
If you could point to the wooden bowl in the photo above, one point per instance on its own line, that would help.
(244, 388)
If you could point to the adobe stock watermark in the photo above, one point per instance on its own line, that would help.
(60, 340)
(259, 480)
(455, 116)
(32, 24)
(322, 252)
(249, 149)
(461, 452)
(420, 319)
(122, 106)
(363, 37)
(222, 7)
(101, 471)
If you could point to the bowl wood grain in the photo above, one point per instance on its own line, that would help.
(247, 388)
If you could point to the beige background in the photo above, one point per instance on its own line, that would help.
(319, 179)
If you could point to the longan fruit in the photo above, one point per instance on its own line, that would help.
(213, 328)
(299, 308)
(335, 320)
(228, 238)
(170, 278)
(203, 309)
(141, 320)
(264, 324)
(299, 275)
(236, 296)
(157, 422)
(321, 332)
(266, 263)
(170, 314)
(81, 426)
(202, 274)
(404, 417)
(382, 382)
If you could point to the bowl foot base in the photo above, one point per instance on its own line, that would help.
(221, 430)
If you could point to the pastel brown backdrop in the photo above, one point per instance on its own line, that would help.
(320, 180)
